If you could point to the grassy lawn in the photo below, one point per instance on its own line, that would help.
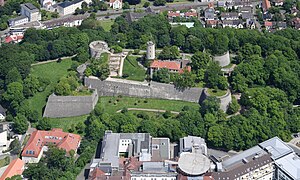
(106, 24)
(133, 70)
(113, 104)
(5, 161)
(216, 92)
(66, 123)
(54, 71)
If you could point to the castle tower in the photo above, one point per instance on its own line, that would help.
(150, 50)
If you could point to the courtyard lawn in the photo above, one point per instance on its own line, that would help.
(113, 104)
(133, 70)
(106, 24)
(53, 71)
(66, 123)
(217, 92)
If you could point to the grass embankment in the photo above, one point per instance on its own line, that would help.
(217, 92)
(133, 70)
(66, 123)
(5, 161)
(53, 71)
(106, 24)
(113, 104)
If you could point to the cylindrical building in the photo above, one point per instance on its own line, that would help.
(150, 50)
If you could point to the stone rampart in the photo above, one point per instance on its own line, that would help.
(223, 60)
(113, 87)
(225, 100)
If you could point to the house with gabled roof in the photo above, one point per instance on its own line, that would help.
(115, 4)
(39, 141)
(15, 167)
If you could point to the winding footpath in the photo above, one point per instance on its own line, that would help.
(149, 110)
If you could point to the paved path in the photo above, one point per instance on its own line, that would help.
(54, 60)
(149, 110)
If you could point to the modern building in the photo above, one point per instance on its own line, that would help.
(30, 11)
(39, 141)
(68, 7)
(150, 50)
(186, 144)
(271, 159)
(18, 21)
(116, 4)
(237, 24)
(4, 143)
(16, 167)
(135, 156)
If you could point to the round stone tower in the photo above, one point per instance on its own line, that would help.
(150, 50)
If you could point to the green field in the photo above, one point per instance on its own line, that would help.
(106, 24)
(53, 71)
(66, 123)
(217, 92)
(133, 70)
(113, 104)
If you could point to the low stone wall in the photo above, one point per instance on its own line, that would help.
(69, 106)
(223, 60)
(113, 87)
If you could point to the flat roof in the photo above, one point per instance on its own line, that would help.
(290, 164)
(30, 6)
(110, 149)
(193, 163)
(236, 160)
(276, 147)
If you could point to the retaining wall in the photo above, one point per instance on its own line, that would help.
(223, 60)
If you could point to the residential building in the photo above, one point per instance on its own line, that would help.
(272, 25)
(134, 16)
(18, 21)
(229, 16)
(245, 9)
(296, 23)
(68, 7)
(189, 14)
(277, 2)
(14, 38)
(238, 24)
(4, 143)
(2, 113)
(209, 13)
(70, 21)
(266, 5)
(172, 66)
(47, 3)
(211, 23)
(115, 4)
(30, 11)
(250, 23)
(1, 2)
(186, 144)
(247, 15)
(271, 159)
(39, 140)
(15, 167)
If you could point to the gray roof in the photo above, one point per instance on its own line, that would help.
(186, 143)
(141, 141)
(30, 7)
(247, 15)
(290, 164)
(69, 106)
(68, 3)
(160, 149)
(18, 18)
(132, 16)
(236, 160)
(155, 167)
(242, 169)
(2, 110)
(229, 15)
(110, 149)
(60, 21)
(276, 147)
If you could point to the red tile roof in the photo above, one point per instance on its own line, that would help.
(173, 14)
(13, 38)
(38, 139)
(268, 24)
(190, 14)
(171, 65)
(266, 5)
(16, 167)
